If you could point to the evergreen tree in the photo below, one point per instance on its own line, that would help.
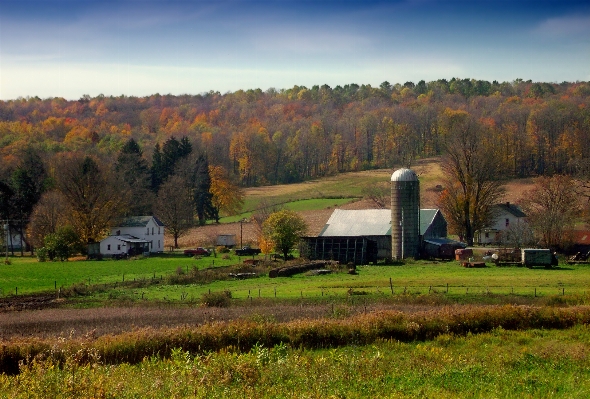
(134, 171)
(202, 191)
(157, 169)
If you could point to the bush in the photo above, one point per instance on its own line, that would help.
(220, 249)
(216, 299)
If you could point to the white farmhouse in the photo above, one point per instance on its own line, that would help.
(135, 235)
(507, 216)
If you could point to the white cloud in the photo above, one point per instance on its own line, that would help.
(575, 25)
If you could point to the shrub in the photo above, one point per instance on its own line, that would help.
(216, 299)
(220, 249)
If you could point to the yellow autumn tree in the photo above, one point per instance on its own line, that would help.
(227, 197)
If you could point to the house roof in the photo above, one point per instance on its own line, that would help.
(368, 222)
(512, 209)
(139, 221)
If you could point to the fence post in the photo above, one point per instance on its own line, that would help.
(447, 288)
(391, 285)
(275, 292)
(16, 290)
(535, 292)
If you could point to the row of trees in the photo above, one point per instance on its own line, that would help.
(299, 133)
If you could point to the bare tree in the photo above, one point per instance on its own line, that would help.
(379, 193)
(49, 214)
(471, 174)
(552, 208)
(174, 207)
(518, 235)
(94, 194)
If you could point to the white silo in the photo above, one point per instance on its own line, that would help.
(405, 214)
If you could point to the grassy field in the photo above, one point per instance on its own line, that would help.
(420, 277)
(496, 364)
(31, 276)
(311, 204)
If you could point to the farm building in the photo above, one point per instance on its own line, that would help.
(405, 230)
(507, 216)
(134, 235)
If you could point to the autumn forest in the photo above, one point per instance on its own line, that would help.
(255, 137)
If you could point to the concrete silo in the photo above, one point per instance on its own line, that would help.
(405, 214)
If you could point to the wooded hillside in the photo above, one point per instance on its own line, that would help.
(283, 136)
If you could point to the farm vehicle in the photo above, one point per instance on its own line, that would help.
(247, 251)
(528, 257)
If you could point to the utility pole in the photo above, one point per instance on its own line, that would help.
(7, 237)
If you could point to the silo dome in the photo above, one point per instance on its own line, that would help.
(404, 175)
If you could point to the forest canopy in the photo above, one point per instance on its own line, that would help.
(283, 136)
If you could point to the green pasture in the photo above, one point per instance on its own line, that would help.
(31, 276)
(414, 278)
(343, 185)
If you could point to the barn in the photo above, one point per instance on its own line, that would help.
(367, 235)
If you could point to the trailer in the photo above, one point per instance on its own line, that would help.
(538, 257)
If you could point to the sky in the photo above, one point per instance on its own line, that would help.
(68, 48)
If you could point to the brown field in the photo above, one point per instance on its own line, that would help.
(428, 170)
(77, 323)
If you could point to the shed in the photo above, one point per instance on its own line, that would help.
(441, 248)
(226, 240)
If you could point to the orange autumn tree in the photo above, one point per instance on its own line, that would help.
(228, 198)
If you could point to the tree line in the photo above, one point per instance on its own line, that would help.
(289, 135)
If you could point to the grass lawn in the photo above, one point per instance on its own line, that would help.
(419, 278)
(31, 276)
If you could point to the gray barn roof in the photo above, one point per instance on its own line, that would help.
(368, 222)
(364, 222)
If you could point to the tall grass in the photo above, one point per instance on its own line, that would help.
(242, 335)
(498, 364)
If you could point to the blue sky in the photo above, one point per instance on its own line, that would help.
(67, 48)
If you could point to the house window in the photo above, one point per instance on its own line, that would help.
(158, 230)
(158, 243)
(118, 247)
(487, 235)
(507, 222)
(109, 247)
(152, 231)
(148, 232)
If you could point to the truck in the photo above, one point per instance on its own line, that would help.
(247, 251)
(538, 257)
